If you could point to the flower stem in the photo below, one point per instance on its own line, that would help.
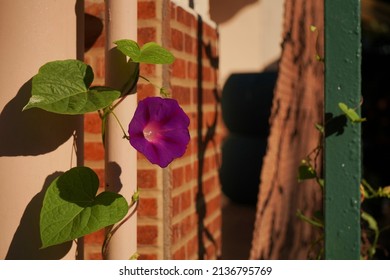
(116, 104)
(125, 136)
(109, 235)
(163, 90)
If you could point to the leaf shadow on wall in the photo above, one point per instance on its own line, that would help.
(34, 131)
(230, 9)
(113, 172)
(93, 30)
(204, 140)
(26, 242)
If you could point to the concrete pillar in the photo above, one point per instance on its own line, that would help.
(121, 158)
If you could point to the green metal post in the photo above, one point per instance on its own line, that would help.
(342, 155)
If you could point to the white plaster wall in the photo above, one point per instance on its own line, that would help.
(34, 145)
(250, 35)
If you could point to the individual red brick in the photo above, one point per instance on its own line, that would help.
(147, 70)
(147, 207)
(209, 31)
(146, 9)
(146, 34)
(147, 234)
(147, 179)
(208, 96)
(95, 238)
(177, 177)
(93, 151)
(189, 173)
(193, 118)
(210, 251)
(191, 149)
(209, 185)
(184, 17)
(215, 224)
(173, 11)
(193, 20)
(177, 39)
(92, 123)
(209, 118)
(189, 44)
(145, 90)
(213, 205)
(179, 68)
(186, 200)
(179, 254)
(176, 205)
(187, 225)
(181, 94)
(192, 246)
(206, 165)
(206, 74)
(192, 70)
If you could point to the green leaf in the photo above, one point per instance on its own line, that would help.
(306, 171)
(350, 113)
(320, 128)
(129, 48)
(372, 224)
(63, 87)
(319, 58)
(164, 92)
(155, 54)
(71, 208)
(312, 221)
(149, 53)
(130, 86)
(384, 192)
(135, 256)
(135, 197)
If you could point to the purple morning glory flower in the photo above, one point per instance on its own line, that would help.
(159, 130)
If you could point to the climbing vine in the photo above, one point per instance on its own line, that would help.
(159, 129)
(307, 170)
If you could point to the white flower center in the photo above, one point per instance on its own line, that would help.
(150, 132)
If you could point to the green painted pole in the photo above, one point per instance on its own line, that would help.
(342, 154)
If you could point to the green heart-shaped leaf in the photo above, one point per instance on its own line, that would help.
(71, 208)
(350, 113)
(306, 171)
(151, 52)
(63, 87)
(129, 48)
(155, 54)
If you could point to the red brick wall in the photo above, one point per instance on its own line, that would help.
(173, 192)
(93, 147)
(168, 219)
(297, 106)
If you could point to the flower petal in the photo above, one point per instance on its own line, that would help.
(170, 125)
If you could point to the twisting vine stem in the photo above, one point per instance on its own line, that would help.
(110, 233)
